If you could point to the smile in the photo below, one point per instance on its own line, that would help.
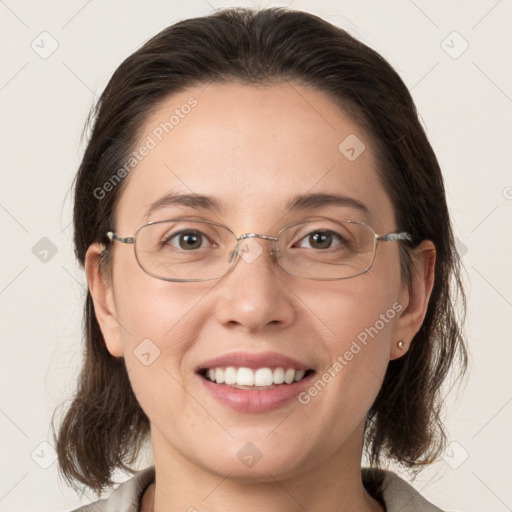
(258, 378)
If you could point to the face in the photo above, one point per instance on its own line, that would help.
(252, 149)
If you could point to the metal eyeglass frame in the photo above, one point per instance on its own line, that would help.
(389, 237)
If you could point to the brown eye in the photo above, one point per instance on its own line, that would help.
(186, 240)
(322, 239)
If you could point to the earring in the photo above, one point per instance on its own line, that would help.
(400, 344)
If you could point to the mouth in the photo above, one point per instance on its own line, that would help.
(254, 382)
(257, 379)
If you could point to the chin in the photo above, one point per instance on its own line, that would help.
(246, 463)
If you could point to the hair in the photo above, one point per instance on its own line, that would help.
(104, 428)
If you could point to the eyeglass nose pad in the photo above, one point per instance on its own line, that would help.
(233, 254)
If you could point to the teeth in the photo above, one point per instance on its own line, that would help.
(230, 375)
(247, 377)
(289, 376)
(299, 375)
(263, 377)
(278, 376)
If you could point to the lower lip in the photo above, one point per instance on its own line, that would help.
(255, 400)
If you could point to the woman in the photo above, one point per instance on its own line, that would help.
(269, 256)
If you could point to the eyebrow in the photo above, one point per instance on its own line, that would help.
(299, 202)
(196, 201)
(319, 199)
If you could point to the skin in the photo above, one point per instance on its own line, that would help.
(253, 147)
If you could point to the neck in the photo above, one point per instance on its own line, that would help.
(333, 484)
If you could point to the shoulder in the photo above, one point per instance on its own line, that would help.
(126, 497)
(397, 494)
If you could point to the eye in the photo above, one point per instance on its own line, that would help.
(186, 240)
(322, 239)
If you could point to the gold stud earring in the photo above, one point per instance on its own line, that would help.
(400, 344)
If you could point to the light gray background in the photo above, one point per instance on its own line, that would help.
(465, 102)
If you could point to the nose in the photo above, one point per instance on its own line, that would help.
(254, 293)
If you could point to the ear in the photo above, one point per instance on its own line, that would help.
(414, 299)
(102, 294)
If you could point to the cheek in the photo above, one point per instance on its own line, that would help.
(150, 308)
(359, 320)
(159, 322)
(363, 310)
(364, 331)
(157, 334)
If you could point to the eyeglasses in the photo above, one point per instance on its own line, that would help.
(186, 250)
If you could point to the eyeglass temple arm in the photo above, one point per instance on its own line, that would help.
(128, 240)
(390, 237)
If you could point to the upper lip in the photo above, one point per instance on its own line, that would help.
(253, 360)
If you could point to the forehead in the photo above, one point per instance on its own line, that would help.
(252, 149)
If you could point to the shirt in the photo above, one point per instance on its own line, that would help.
(397, 494)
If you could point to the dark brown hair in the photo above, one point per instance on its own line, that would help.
(104, 427)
